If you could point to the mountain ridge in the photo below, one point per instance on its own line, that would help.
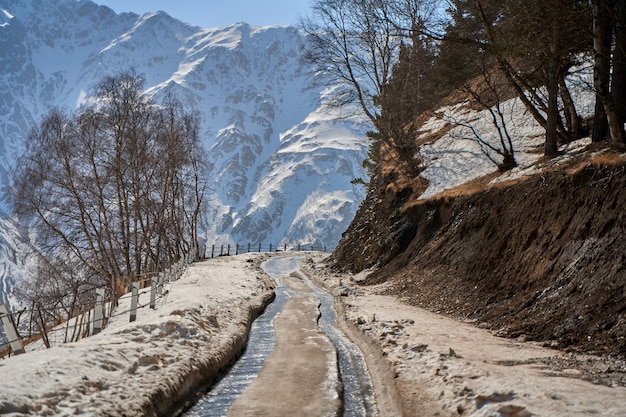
(281, 160)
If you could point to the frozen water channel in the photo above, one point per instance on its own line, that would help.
(358, 392)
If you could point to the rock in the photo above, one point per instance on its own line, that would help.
(496, 397)
(419, 348)
(513, 411)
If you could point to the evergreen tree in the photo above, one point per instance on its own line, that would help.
(407, 94)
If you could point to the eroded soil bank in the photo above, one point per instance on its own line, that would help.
(543, 259)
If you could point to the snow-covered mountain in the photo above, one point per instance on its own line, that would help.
(282, 162)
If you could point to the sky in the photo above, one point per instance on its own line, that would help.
(212, 13)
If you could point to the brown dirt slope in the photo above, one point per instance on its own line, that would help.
(379, 230)
(543, 259)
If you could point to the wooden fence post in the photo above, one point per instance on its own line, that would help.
(98, 312)
(134, 301)
(228, 251)
(285, 250)
(42, 327)
(160, 283)
(11, 331)
(248, 247)
(259, 247)
(237, 249)
(212, 251)
(154, 283)
(270, 248)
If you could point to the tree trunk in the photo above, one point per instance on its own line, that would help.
(602, 36)
(552, 116)
(551, 147)
(618, 85)
(600, 125)
(571, 115)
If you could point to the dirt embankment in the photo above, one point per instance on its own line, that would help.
(379, 230)
(543, 259)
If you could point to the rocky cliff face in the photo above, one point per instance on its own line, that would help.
(542, 258)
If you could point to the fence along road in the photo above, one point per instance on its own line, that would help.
(92, 319)
(237, 249)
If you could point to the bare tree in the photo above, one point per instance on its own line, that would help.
(114, 190)
(548, 36)
(534, 44)
(488, 92)
(354, 47)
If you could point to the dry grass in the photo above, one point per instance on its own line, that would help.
(598, 155)
(472, 187)
(610, 157)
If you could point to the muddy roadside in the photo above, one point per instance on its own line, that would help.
(427, 364)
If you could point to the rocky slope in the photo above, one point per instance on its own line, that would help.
(541, 258)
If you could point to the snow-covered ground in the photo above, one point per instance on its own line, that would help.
(446, 367)
(457, 157)
(453, 368)
(141, 367)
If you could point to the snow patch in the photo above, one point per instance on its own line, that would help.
(194, 328)
(457, 157)
(5, 17)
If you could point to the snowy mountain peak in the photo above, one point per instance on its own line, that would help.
(281, 162)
